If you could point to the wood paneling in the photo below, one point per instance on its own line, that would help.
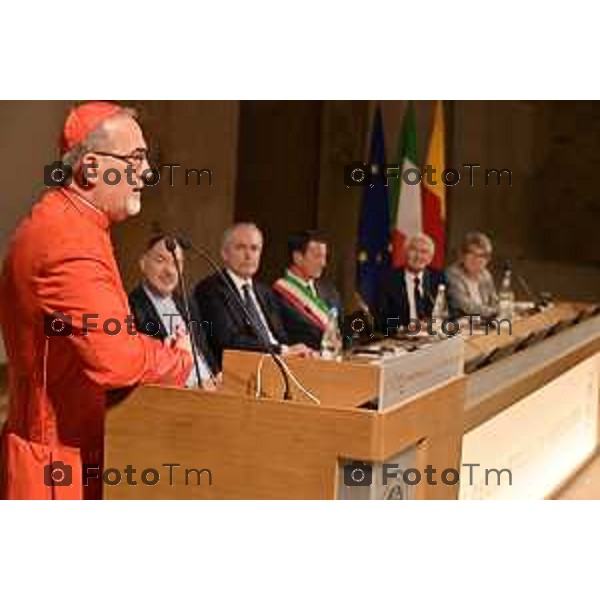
(278, 173)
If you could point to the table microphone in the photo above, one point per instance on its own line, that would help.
(267, 347)
(539, 300)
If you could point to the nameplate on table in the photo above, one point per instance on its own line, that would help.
(413, 373)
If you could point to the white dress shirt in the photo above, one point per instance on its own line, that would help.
(239, 283)
(409, 278)
(171, 317)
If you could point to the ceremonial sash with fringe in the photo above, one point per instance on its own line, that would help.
(299, 295)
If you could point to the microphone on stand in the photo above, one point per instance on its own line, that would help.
(267, 347)
(171, 246)
(539, 300)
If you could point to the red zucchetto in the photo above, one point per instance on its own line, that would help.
(84, 119)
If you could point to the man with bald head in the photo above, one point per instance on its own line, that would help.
(219, 298)
(64, 313)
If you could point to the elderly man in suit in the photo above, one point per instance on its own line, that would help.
(220, 297)
(306, 300)
(158, 309)
(471, 289)
(409, 293)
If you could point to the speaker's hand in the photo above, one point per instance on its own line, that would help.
(181, 339)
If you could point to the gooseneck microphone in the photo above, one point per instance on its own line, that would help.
(171, 246)
(267, 347)
(540, 300)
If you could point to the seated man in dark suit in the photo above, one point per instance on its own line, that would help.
(305, 300)
(219, 298)
(410, 293)
(158, 310)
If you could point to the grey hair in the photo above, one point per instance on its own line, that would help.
(228, 233)
(93, 139)
(477, 239)
(421, 237)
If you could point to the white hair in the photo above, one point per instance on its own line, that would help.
(421, 237)
(230, 231)
(478, 240)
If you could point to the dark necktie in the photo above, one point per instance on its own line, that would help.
(419, 307)
(255, 314)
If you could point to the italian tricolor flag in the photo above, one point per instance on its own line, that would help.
(434, 196)
(406, 213)
(420, 207)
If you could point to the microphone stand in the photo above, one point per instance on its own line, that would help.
(172, 247)
(538, 301)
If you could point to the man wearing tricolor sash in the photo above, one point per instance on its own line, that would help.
(305, 299)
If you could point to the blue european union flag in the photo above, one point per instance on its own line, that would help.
(374, 224)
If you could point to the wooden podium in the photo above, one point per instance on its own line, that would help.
(240, 446)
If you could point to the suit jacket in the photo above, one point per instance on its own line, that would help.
(461, 302)
(144, 313)
(394, 297)
(301, 330)
(219, 304)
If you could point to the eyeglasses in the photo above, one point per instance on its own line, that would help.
(483, 255)
(137, 157)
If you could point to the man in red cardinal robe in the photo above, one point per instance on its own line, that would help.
(61, 298)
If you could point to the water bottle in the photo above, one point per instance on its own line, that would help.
(440, 311)
(506, 296)
(331, 342)
(440, 307)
